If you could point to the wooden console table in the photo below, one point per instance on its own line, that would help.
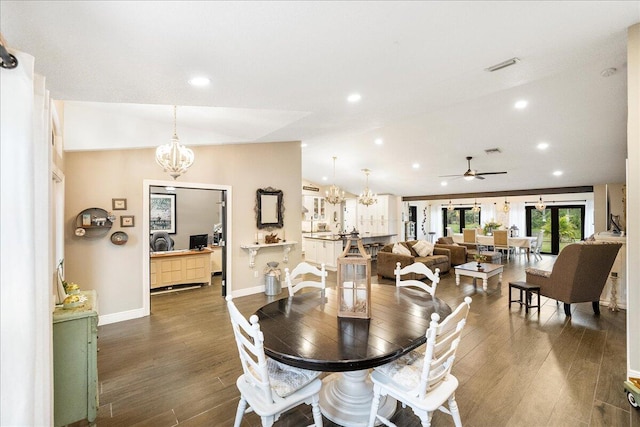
(75, 362)
(180, 267)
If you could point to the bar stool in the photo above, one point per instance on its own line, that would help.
(375, 247)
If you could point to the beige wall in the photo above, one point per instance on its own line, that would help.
(94, 178)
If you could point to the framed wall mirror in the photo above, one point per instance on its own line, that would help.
(269, 208)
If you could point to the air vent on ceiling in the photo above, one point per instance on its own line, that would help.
(504, 64)
(492, 151)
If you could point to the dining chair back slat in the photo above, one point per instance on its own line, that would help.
(421, 269)
(295, 280)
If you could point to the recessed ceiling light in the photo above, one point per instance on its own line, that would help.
(543, 146)
(443, 183)
(379, 141)
(199, 81)
(354, 97)
(416, 165)
(303, 144)
(324, 178)
(520, 104)
(557, 173)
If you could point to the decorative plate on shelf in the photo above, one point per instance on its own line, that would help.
(119, 238)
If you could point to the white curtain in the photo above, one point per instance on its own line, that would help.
(25, 292)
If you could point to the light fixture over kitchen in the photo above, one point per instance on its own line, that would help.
(540, 205)
(506, 207)
(367, 197)
(174, 157)
(334, 195)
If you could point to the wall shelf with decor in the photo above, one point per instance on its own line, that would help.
(255, 247)
(93, 222)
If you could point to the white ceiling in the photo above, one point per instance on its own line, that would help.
(281, 71)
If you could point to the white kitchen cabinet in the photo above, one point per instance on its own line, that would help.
(322, 251)
(379, 218)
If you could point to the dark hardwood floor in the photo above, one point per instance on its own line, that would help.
(179, 365)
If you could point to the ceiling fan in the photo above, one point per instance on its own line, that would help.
(471, 174)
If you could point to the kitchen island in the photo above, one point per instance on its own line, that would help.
(325, 248)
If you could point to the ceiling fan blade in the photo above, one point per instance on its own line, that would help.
(478, 177)
(490, 173)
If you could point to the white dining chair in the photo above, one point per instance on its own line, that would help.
(268, 387)
(418, 268)
(422, 380)
(295, 280)
(536, 245)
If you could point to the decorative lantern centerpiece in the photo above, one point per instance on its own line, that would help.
(354, 281)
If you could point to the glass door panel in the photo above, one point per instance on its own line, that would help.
(452, 219)
(562, 225)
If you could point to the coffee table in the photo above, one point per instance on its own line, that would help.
(483, 272)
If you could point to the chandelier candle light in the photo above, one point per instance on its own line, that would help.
(174, 157)
(367, 197)
(334, 195)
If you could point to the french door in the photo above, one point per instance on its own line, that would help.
(561, 225)
(460, 218)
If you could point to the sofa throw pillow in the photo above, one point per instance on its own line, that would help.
(423, 248)
(400, 249)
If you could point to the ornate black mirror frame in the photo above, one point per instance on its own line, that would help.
(269, 208)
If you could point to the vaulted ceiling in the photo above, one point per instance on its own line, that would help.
(282, 71)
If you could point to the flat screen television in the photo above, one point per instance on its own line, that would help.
(198, 241)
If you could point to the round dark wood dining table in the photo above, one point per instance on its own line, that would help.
(305, 331)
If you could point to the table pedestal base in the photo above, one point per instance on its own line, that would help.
(346, 397)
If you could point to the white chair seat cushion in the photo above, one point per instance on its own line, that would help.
(424, 248)
(286, 380)
(406, 370)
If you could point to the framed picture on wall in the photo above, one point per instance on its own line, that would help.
(127, 221)
(119, 204)
(162, 213)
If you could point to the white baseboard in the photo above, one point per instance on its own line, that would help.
(120, 317)
(247, 291)
(633, 374)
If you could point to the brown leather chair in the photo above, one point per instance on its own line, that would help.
(578, 275)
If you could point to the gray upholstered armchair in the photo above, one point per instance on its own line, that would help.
(578, 275)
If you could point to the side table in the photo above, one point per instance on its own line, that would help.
(527, 289)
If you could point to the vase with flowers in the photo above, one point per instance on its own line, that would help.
(489, 226)
(479, 258)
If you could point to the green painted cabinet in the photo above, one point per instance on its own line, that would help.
(75, 362)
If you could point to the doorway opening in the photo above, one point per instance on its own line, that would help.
(187, 213)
